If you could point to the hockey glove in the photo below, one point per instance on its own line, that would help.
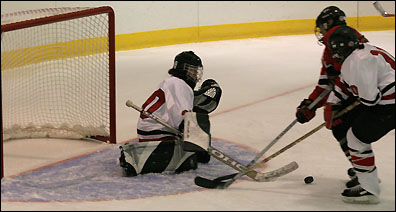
(207, 98)
(329, 111)
(303, 114)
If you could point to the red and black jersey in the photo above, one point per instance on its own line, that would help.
(329, 64)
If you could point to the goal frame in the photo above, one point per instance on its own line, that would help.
(111, 39)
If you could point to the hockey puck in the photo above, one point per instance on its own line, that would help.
(308, 180)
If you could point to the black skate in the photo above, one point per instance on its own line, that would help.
(353, 182)
(359, 195)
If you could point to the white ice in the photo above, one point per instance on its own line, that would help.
(263, 81)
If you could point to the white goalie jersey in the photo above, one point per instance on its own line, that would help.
(169, 102)
(369, 74)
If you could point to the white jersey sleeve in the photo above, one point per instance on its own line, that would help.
(369, 73)
(179, 98)
(169, 102)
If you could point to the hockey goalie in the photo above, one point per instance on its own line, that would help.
(159, 149)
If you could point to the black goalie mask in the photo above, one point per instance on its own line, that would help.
(188, 67)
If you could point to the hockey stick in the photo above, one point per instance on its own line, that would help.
(259, 155)
(257, 176)
(217, 183)
(279, 172)
(381, 10)
(220, 155)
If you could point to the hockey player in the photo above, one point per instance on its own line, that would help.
(327, 21)
(159, 150)
(368, 73)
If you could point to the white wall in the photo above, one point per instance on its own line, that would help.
(140, 16)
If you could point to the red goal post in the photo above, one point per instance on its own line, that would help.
(58, 74)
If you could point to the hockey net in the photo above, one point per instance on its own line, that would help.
(58, 74)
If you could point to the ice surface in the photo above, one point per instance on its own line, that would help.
(263, 81)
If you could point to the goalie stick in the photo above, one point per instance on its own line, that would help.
(381, 10)
(217, 183)
(257, 176)
(259, 155)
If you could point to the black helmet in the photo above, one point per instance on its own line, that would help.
(329, 17)
(188, 67)
(343, 41)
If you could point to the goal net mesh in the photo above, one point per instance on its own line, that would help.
(55, 76)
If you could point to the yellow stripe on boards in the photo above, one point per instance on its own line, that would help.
(37, 54)
(166, 37)
(239, 31)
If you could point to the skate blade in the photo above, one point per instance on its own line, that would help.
(368, 199)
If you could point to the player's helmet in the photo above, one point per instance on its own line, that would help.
(329, 17)
(187, 66)
(342, 42)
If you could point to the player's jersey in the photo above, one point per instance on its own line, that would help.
(169, 102)
(369, 74)
(327, 63)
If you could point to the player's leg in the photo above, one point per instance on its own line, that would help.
(371, 125)
(340, 132)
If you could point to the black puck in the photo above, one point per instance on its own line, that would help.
(308, 180)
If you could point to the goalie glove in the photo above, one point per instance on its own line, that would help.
(207, 98)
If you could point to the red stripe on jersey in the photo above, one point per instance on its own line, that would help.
(369, 161)
(160, 95)
(388, 97)
(388, 59)
(342, 86)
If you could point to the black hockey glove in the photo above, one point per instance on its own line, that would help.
(207, 98)
(303, 114)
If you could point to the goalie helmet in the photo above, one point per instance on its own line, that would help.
(342, 42)
(329, 17)
(188, 67)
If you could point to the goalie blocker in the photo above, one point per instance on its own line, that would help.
(169, 156)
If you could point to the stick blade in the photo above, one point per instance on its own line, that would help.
(206, 183)
(272, 175)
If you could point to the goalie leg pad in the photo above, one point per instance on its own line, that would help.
(196, 132)
(127, 169)
(156, 157)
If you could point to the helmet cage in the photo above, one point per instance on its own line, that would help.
(320, 31)
(188, 67)
(193, 73)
